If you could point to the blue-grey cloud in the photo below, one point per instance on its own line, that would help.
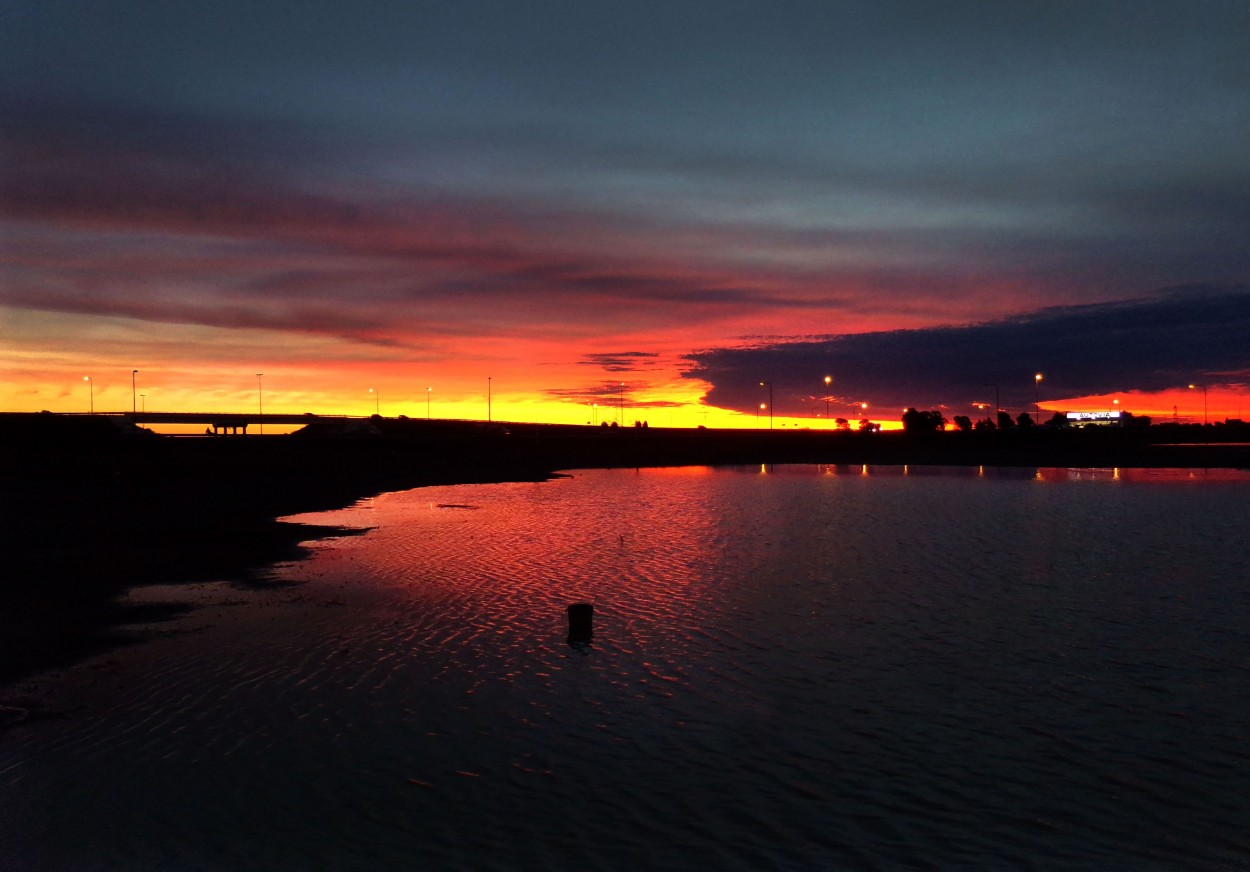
(1157, 342)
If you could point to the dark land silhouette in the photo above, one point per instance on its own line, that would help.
(94, 505)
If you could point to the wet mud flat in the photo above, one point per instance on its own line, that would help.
(82, 522)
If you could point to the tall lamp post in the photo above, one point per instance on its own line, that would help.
(427, 403)
(488, 378)
(377, 402)
(1037, 398)
(828, 381)
(621, 403)
(769, 385)
(90, 394)
(260, 400)
(144, 398)
(998, 406)
(133, 404)
(1204, 402)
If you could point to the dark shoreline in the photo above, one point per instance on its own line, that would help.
(91, 510)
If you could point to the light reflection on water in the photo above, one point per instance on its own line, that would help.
(792, 667)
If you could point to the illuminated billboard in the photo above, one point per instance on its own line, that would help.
(1110, 417)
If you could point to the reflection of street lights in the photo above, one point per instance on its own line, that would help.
(1204, 402)
(90, 393)
(1037, 398)
(769, 385)
(828, 381)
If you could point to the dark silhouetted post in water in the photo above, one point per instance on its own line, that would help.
(90, 394)
(769, 385)
(133, 405)
(581, 625)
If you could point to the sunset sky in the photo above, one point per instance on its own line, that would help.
(649, 206)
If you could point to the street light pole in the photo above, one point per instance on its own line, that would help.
(133, 405)
(427, 403)
(1204, 402)
(260, 400)
(90, 394)
(621, 403)
(998, 406)
(1037, 398)
(769, 385)
(828, 381)
(488, 419)
(377, 402)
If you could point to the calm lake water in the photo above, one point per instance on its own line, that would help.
(792, 668)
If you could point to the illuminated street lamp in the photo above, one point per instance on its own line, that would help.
(427, 403)
(769, 385)
(828, 381)
(757, 415)
(377, 402)
(1037, 398)
(90, 394)
(1204, 401)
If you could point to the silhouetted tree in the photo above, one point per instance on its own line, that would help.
(984, 424)
(963, 422)
(1059, 419)
(866, 426)
(1024, 421)
(842, 424)
(1004, 421)
(923, 422)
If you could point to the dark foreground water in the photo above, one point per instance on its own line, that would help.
(793, 668)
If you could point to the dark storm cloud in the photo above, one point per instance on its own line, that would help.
(1164, 341)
